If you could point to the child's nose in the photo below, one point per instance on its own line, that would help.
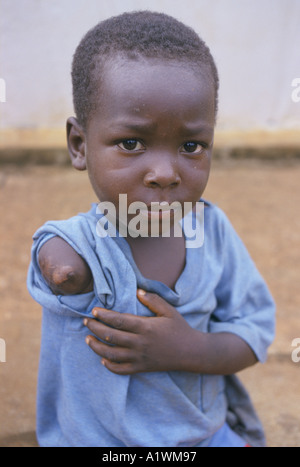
(163, 173)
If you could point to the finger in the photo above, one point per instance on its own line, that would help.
(121, 321)
(119, 368)
(108, 352)
(155, 303)
(109, 334)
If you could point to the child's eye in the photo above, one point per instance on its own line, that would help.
(193, 148)
(131, 145)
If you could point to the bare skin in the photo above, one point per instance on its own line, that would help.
(151, 137)
(165, 342)
(63, 269)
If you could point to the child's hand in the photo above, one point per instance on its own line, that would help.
(141, 344)
(165, 342)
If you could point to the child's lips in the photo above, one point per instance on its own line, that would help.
(160, 210)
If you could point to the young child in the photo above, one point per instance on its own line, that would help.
(169, 323)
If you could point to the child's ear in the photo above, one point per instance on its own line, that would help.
(76, 143)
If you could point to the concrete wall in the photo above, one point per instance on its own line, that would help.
(255, 44)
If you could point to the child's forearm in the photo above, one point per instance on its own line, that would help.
(217, 353)
(129, 344)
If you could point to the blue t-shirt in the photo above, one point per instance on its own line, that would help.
(81, 403)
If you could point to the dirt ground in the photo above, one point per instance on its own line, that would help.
(262, 200)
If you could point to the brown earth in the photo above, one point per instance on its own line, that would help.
(262, 200)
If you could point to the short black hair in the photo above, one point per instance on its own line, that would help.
(134, 34)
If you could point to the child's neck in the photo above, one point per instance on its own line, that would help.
(159, 258)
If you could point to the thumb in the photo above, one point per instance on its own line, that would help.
(155, 303)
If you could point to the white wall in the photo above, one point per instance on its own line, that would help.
(256, 44)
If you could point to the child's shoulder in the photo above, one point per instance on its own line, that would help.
(219, 231)
(215, 216)
(78, 232)
(82, 223)
(60, 255)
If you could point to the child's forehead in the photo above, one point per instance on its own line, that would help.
(149, 75)
(150, 90)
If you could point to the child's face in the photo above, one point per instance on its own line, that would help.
(151, 135)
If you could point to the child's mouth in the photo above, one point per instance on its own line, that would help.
(161, 210)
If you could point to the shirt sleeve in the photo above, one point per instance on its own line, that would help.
(68, 305)
(245, 306)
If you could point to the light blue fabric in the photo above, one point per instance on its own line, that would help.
(81, 403)
(226, 438)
